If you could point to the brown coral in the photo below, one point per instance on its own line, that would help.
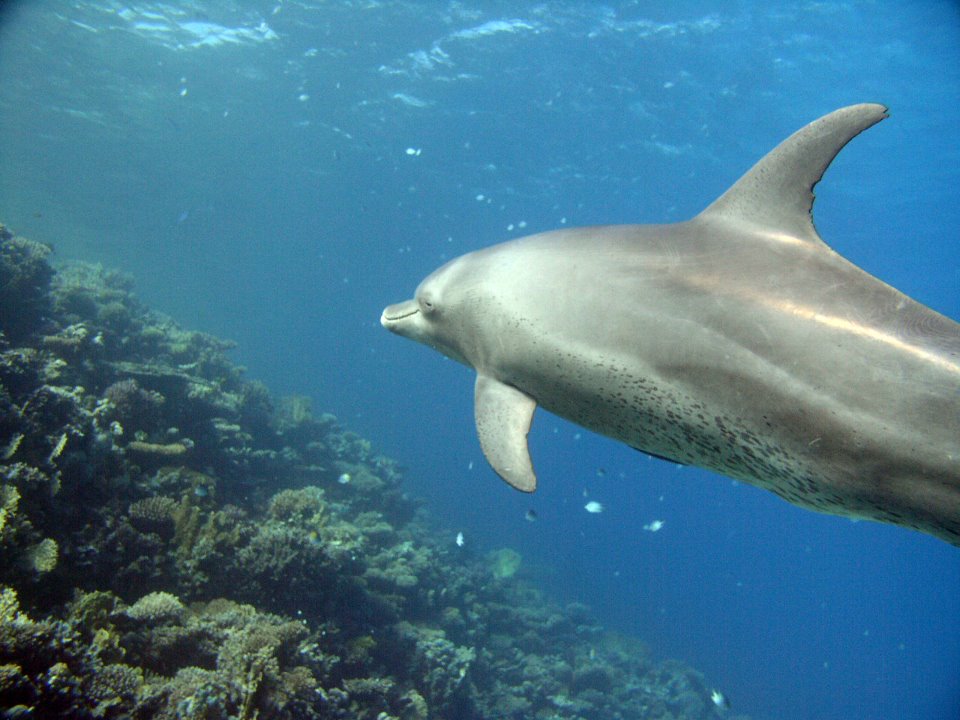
(133, 407)
(24, 281)
(303, 505)
(115, 683)
(153, 514)
(168, 450)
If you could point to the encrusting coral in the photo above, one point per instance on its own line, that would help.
(177, 544)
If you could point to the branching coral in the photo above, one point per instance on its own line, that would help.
(437, 667)
(303, 506)
(44, 669)
(157, 607)
(133, 407)
(245, 665)
(9, 499)
(42, 557)
(115, 685)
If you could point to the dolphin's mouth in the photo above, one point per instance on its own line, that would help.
(393, 314)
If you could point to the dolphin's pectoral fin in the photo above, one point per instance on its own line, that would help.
(776, 194)
(503, 415)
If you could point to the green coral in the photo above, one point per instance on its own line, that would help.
(10, 615)
(504, 563)
(9, 499)
(44, 667)
(157, 607)
(41, 557)
(294, 410)
(305, 506)
(245, 665)
(359, 649)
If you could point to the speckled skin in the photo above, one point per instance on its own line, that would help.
(737, 341)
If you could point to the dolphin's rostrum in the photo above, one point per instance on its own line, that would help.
(736, 341)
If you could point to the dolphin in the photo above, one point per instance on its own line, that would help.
(736, 341)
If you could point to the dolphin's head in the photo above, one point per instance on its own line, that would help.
(440, 311)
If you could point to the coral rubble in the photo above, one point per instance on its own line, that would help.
(176, 544)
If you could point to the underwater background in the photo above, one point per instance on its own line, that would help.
(275, 173)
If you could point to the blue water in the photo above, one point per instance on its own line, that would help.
(277, 172)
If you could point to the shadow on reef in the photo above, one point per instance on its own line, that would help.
(176, 544)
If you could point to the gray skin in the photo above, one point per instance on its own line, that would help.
(736, 341)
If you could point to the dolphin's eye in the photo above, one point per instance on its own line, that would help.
(427, 305)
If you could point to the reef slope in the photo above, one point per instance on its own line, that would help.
(176, 543)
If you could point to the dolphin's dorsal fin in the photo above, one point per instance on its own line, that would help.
(777, 193)
(503, 415)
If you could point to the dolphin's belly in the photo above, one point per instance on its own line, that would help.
(769, 430)
(670, 422)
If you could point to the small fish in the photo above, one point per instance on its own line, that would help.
(654, 526)
(530, 516)
(719, 699)
(593, 507)
(344, 478)
(460, 540)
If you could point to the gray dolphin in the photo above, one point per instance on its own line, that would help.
(737, 341)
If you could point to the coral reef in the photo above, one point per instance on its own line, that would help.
(24, 283)
(504, 563)
(178, 544)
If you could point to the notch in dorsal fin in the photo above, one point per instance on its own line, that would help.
(777, 192)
